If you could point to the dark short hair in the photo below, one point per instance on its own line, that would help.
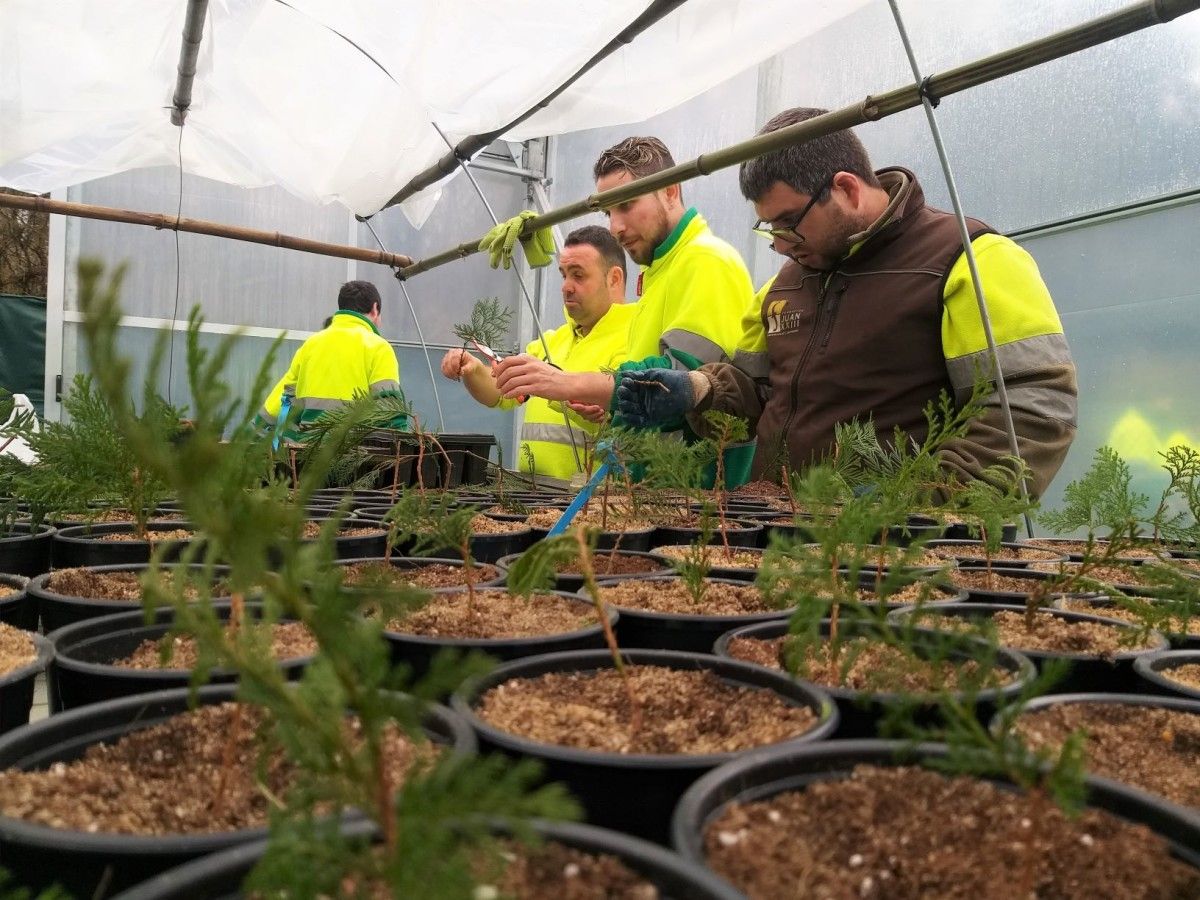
(639, 156)
(611, 252)
(359, 296)
(805, 168)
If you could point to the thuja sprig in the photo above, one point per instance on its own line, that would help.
(254, 530)
(1102, 499)
(536, 569)
(356, 464)
(433, 524)
(724, 431)
(489, 325)
(991, 501)
(86, 458)
(696, 563)
(1182, 465)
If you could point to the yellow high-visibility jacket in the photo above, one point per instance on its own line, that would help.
(559, 444)
(695, 294)
(347, 358)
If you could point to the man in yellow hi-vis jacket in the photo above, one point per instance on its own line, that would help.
(694, 291)
(873, 314)
(594, 337)
(346, 358)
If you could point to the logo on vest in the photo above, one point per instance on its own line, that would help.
(781, 320)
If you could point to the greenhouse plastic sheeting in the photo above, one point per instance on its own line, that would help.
(333, 100)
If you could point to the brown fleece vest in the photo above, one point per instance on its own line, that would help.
(863, 340)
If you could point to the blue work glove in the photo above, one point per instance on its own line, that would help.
(500, 241)
(654, 396)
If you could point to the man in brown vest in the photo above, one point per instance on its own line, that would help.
(873, 314)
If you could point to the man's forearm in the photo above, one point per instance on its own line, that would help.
(595, 388)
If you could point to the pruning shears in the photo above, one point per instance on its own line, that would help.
(603, 449)
(494, 358)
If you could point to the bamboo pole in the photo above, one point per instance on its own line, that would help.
(1062, 43)
(200, 226)
(469, 146)
(189, 51)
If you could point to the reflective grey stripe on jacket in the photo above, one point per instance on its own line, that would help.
(552, 434)
(689, 342)
(754, 363)
(1036, 354)
(386, 385)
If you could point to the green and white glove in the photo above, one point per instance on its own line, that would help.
(499, 243)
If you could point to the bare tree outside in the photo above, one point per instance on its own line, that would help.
(24, 250)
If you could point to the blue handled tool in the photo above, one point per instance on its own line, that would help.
(285, 407)
(610, 461)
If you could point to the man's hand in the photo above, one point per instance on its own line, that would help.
(654, 396)
(590, 412)
(459, 364)
(529, 376)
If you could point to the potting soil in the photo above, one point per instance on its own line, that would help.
(912, 834)
(682, 712)
(431, 575)
(494, 614)
(16, 649)
(672, 596)
(1155, 749)
(109, 585)
(289, 640)
(1051, 633)
(170, 778)
(864, 665)
(1188, 675)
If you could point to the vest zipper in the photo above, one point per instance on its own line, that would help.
(822, 290)
(834, 302)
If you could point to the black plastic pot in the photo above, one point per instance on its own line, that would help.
(1087, 673)
(355, 546)
(679, 631)
(39, 856)
(634, 793)
(58, 610)
(862, 711)
(571, 582)
(418, 650)
(972, 554)
(639, 539)
(1075, 556)
(1150, 668)
(739, 534)
(980, 595)
(81, 545)
(484, 547)
(16, 687)
(84, 652)
(220, 876)
(1181, 704)
(1099, 606)
(727, 573)
(960, 531)
(26, 550)
(17, 609)
(790, 768)
(417, 562)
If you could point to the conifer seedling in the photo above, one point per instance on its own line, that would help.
(430, 831)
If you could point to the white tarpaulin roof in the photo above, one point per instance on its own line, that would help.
(333, 100)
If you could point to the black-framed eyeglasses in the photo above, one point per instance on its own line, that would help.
(789, 232)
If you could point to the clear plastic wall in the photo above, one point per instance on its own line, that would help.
(1111, 126)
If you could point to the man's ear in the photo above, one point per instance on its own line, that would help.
(616, 283)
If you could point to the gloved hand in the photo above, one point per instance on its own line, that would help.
(654, 396)
(499, 242)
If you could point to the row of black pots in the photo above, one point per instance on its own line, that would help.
(755, 777)
(606, 783)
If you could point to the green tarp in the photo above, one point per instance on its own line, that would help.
(23, 346)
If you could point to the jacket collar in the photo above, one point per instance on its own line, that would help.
(346, 318)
